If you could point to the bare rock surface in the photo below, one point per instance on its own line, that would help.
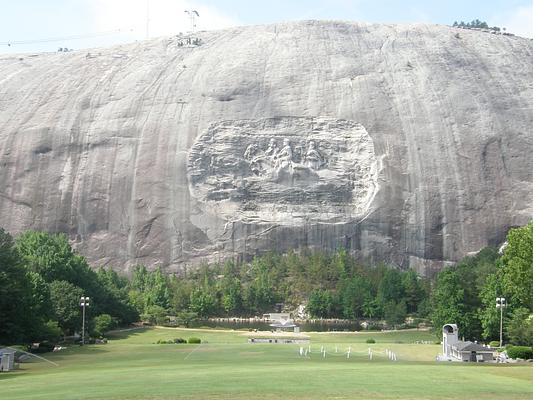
(408, 144)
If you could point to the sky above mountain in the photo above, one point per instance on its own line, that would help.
(37, 25)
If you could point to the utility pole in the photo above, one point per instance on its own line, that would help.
(500, 303)
(84, 302)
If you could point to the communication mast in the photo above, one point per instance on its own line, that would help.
(193, 14)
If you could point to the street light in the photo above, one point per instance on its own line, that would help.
(84, 302)
(501, 304)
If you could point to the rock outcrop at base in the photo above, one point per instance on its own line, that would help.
(407, 144)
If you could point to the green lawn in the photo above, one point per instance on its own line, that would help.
(226, 367)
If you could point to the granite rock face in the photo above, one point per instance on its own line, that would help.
(408, 144)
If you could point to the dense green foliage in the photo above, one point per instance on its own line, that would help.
(457, 295)
(520, 327)
(523, 352)
(102, 324)
(466, 293)
(516, 280)
(42, 279)
(15, 291)
(332, 286)
(64, 301)
(41, 282)
(517, 260)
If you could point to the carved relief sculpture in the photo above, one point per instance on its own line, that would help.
(238, 170)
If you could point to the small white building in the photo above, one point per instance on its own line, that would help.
(7, 359)
(454, 349)
(474, 352)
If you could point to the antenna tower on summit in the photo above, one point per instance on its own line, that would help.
(193, 14)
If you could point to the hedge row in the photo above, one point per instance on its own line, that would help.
(523, 352)
(192, 340)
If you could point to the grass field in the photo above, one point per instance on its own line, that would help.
(131, 366)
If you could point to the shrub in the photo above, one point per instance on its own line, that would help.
(374, 327)
(42, 347)
(194, 340)
(370, 341)
(50, 331)
(154, 315)
(175, 341)
(520, 328)
(522, 352)
(102, 323)
(186, 318)
(494, 344)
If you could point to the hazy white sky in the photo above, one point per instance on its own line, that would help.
(45, 25)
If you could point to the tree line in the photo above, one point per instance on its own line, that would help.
(42, 280)
(476, 24)
(466, 293)
(331, 285)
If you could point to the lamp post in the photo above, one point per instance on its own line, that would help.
(84, 302)
(500, 303)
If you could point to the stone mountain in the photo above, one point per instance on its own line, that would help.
(408, 144)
